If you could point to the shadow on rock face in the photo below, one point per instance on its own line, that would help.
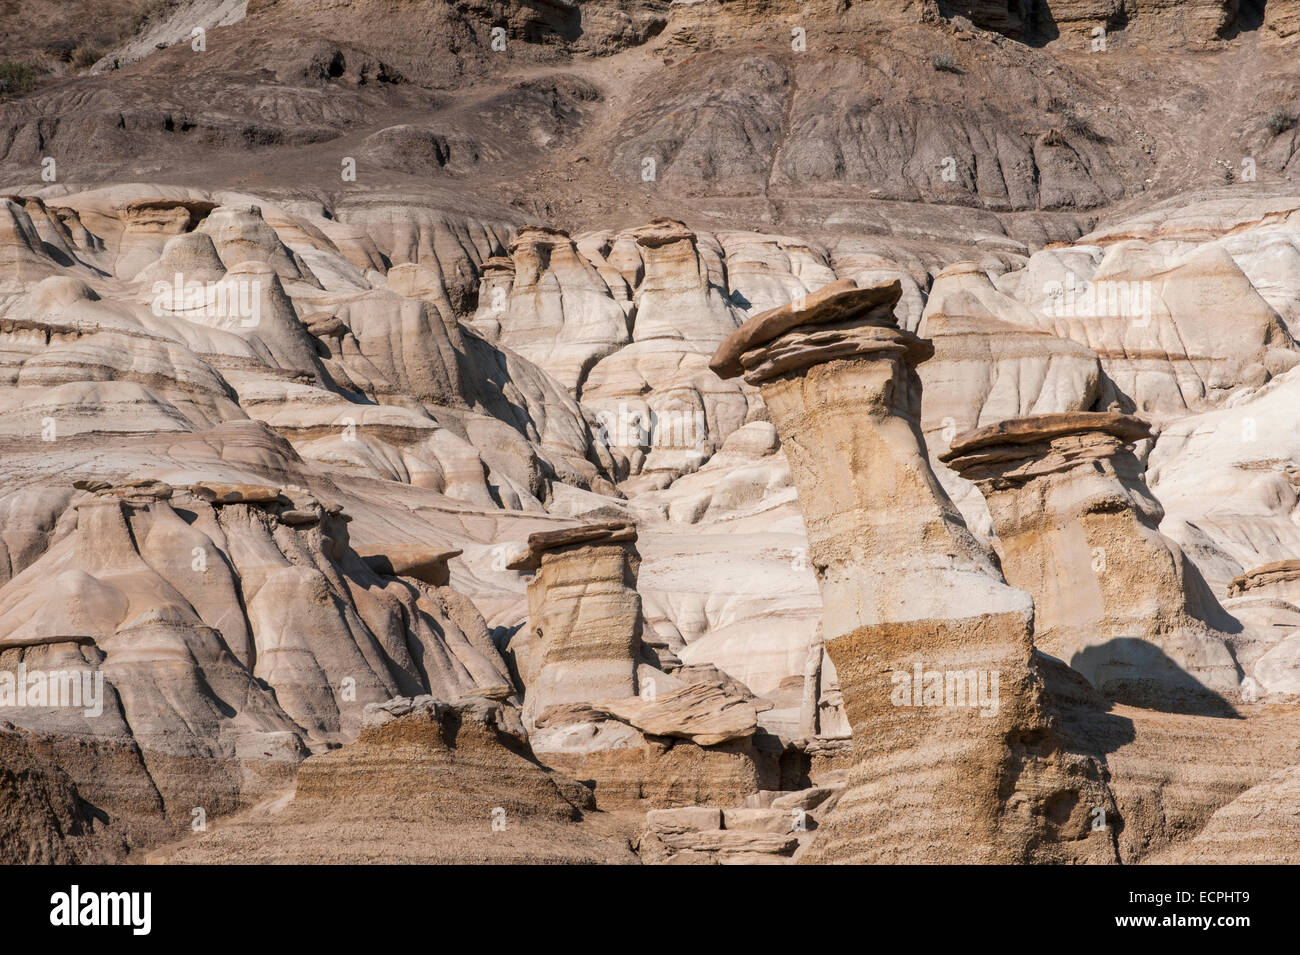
(1204, 605)
(1093, 730)
(1138, 673)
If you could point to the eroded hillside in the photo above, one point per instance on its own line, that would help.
(572, 409)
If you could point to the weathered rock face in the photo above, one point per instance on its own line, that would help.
(1078, 529)
(362, 381)
(215, 632)
(1141, 307)
(77, 797)
(599, 709)
(912, 607)
(585, 613)
(1279, 579)
(771, 828)
(558, 311)
(632, 769)
(1190, 22)
(679, 412)
(1228, 484)
(43, 818)
(988, 365)
(757, 835)
(1170, 773)
(426, 782)
(703, 713)
(21, 251)
(1282, 19)
(471, 340)
(1267, 601)
(1259, 827)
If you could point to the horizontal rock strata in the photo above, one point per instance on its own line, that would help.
(1078, 529)
(909, 596)
(426, 782)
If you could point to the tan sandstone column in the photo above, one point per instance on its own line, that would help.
(955, 758)
(1078, 529)
(584, 608)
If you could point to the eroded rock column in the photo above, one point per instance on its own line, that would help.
(597, 709)
(1078, 529)
(956, 759)
(584, 608)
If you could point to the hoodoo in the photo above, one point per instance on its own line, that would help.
(584, 609)
(437, 434)
(1078, 529)
(965, 766)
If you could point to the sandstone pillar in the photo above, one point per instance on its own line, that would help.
(1078, 529)
(584, 608)
(910, 598)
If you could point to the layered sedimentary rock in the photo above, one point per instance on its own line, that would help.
(44, 819)
(1166, 22)
(1078, 529)
(1281, 578)
(679, 412)
(585, 613)
(1169, 773)
(1259, 827)
(426, 782)
(771, 828)
(215, 632)
(1229, 483)
(422, 563)
(702, 836)
(218, 344)
(631, 769)
(144, 618)
(596, 705)
(1141, 307)
(240, 234)
(558, 311)
(1282, 19)
(918, 621)
(21, 250)
(988, 365)
(366, 388)
(701, 712)
(1267, 601)
(607, 315)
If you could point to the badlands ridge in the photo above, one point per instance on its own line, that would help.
(760, 520)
